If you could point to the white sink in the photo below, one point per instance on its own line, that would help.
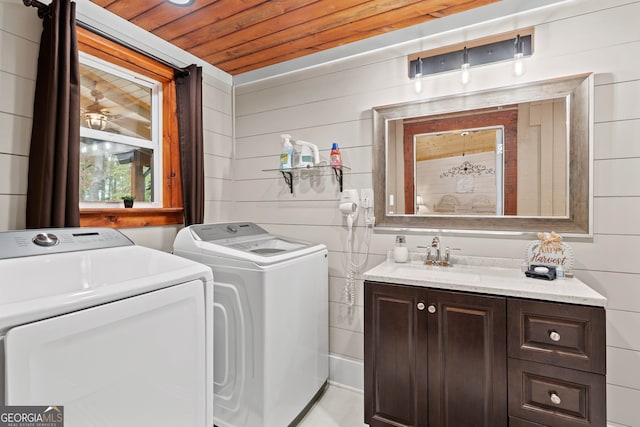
(468, 273)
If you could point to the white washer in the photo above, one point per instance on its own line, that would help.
(271, 321)
(113, 332)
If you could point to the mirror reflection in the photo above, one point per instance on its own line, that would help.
(512, 162)
(459, 172)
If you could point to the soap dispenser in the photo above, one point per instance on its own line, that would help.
(400, 251)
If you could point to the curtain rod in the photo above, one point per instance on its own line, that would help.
(43, 9)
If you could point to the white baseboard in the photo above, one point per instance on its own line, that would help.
(346, 372)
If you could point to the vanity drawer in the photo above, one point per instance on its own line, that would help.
(555, 396)
(567, 335)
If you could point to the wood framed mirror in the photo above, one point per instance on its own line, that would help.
(515, 159)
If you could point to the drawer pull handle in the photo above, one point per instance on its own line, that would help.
(554, 336)
(555, 399)
(420, 306)
(431, 309)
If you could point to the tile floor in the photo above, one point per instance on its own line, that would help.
(338, 407)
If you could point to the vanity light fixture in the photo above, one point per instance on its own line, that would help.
(512, 46)
(465, 75)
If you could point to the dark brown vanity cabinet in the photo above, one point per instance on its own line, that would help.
(434, 358)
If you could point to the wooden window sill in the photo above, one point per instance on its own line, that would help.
(130, 217)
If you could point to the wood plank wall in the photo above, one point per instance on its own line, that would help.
(332, 103)
(19, 39)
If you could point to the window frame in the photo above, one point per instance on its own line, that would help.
(155, 141)
(171, 212)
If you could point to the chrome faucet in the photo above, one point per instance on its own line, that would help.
(435, 246)
(434, 253)
(435, 249)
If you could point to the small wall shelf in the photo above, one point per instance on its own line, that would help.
(290, 174)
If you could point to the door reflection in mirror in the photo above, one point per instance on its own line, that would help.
(459, 172)
(509, 160)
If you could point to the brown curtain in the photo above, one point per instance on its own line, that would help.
(53, 179)
(189, 99)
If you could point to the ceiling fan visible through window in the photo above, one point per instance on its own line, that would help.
(95, 115)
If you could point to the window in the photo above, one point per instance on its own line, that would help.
(120, 136)
(128, 137)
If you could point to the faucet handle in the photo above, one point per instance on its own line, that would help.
(428, 258)
(447, 254)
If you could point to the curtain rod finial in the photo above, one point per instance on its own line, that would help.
(42, 8)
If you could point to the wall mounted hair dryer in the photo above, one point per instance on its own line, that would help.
(349, 203)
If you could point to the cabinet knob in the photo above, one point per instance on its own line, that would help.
(420, 306)
(554, 336)
(431, 309)
(555, 399)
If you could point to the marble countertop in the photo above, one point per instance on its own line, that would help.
(494, 276)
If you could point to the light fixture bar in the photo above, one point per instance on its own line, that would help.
(491, 52)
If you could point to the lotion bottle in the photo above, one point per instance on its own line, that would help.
(286, 157)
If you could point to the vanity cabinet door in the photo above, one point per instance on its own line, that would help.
(434, 358)
(467, 372)
(395, 347)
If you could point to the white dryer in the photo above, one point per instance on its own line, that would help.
(271, 321)
(115, 333)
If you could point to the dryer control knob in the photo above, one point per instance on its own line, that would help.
(44, 239)
(232, 228)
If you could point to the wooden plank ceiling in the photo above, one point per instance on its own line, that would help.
(243, 35)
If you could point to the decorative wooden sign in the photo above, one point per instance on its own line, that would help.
(550, 250)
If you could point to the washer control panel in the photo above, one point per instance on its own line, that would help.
(23, 243)
(227, 232)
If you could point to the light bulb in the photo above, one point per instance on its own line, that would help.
(465, 69)
(518, 64)
(466, 73)
(418, 83)
(518, 57)
(418, 76)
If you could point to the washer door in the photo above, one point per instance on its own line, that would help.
(134, 362)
